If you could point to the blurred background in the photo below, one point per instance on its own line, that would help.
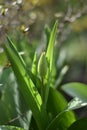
(25, 22)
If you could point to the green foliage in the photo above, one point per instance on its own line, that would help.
(76, 90)
(56, 106)
(49, 108)
(50, 49)
(75, 104)
(34, 65)
(13, 108)
(27, 87)
(34, 103)
(2, 58)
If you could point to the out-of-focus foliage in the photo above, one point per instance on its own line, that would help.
(40, 100)
(25, 21)
(13, 108)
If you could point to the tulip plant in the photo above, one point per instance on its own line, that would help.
(50, 110)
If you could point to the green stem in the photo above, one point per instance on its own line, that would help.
(42, 88)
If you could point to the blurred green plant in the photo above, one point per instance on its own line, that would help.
(24, 22)
(48, 106)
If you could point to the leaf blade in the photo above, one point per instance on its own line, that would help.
(50, 49)
(76, 89)
(27, 87)
(57, 108)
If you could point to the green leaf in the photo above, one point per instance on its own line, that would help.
(56, 106)
(2, 58)
(75, 104)
(13, 108)
(33, 75)
(50, 49)
(10, 128)
(34, 64)
(76, 90)
(29, 91)
(80, 124)
(61, 75)
(47, 32)
(50, 60)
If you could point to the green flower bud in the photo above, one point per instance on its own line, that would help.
(42, 65)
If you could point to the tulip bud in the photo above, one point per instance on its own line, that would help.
(42, 65)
